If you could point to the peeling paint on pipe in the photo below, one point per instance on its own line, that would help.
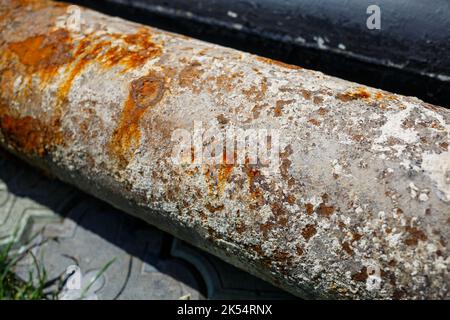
(359, 208)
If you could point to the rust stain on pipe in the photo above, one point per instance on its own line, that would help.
(359, 207)
(44, 54)
(28, 135)
(143, 93)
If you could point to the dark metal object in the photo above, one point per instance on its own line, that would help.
(409, 55)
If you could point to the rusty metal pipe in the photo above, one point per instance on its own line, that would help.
(357, 205)
(324, 35)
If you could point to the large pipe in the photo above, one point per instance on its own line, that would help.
(353, 201)
(406, 55)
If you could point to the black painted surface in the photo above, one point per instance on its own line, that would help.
(409, 55)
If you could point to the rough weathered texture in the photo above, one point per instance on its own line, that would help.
(360, 207)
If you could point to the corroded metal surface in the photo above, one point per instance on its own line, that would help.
(360, 207)
(62, 227)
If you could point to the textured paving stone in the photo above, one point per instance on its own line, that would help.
(76, 230)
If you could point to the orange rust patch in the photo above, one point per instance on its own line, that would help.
(146, 49)
(309, 208)
(214, 209)
(279, 63)
(291, 199)
(6, 82)
(357, 137)
(140, 38)
(346, 247)
(359, 93)
(385, 96)
(144, 92)
(225, 171)
(314, 122)
(256, 111)
(265, 228)
(306, 94)
(309, 231)
(147, 91)
(277, 111)
(222, 119)
(414, 236)
(278, 210)
(324, 210)
(29, 135)
(281, 256)
(256, 94)
(44, 54)
(322, 111)
(67, 84)
(317, 100)
(253, 173)
(207, 173)
(279, 107)
(189, 74)
(356, 236)
(226, 81)
(285, 162)
(95, 49)
(378, 96)
(360, 276)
